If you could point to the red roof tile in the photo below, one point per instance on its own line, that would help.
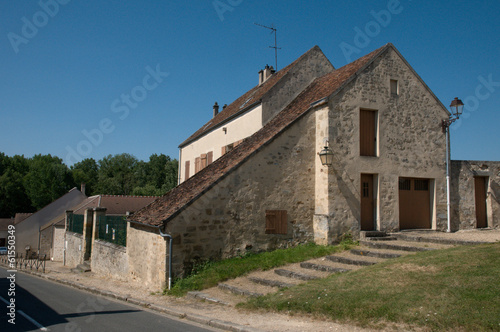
(173, 202)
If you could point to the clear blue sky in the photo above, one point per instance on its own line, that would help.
(68, 66)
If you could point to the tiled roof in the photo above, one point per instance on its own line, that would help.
(117, 205)
(242, 103)
(173, 202)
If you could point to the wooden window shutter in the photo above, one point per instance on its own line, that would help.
(276, 222)
(197, 163)
(223, 150)
(186, 171)
(367, 133)
(203, 159)
(210, 157)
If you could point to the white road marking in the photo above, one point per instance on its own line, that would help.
(34, 322)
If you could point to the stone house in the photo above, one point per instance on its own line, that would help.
(269, 191)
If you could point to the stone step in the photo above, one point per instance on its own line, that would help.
(390, 246)
(82, 268)
(205, 297)
(320, 267)
(385, 238)
(271, 283)
(238, 291)
(294, 275)
(430, 239)
(371, 234)
(349, 261)
(371, 253)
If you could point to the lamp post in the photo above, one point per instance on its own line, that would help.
(326, 156)
(456, 108)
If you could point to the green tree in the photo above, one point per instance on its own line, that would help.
(171, 176)
(116, 174)
(86, 171)
(47, 180)
(13, 197)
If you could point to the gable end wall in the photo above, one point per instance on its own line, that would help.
(410, 143)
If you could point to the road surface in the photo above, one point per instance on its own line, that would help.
(36, 304)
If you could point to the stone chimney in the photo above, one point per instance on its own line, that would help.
(216, 109)
(82, 188)
(265, 73)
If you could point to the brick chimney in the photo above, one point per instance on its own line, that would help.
(82, 188)
(265, 73)
(216, 109)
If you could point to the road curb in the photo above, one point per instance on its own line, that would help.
(228, 326)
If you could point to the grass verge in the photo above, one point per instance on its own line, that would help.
(454, 289)
(210, 273)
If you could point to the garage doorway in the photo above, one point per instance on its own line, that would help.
(414, 203)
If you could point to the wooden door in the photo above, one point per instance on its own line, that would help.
(414, 203)
(367, 203)
(480, 198)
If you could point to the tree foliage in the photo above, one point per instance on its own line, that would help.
(29, 184)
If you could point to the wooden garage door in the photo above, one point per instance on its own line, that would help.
(414, 203)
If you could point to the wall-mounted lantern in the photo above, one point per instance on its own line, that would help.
(326, 156)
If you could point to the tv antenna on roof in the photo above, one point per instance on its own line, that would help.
(276, 48)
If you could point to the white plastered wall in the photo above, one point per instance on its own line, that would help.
(237, 129)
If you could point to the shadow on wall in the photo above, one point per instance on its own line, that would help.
(352, 199)
(495, 191)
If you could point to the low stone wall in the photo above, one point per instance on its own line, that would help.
(74, 254)
(463, 205)
(147, 254)
(109, 259)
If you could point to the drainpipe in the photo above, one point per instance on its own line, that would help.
(169, 256)
(448, 203)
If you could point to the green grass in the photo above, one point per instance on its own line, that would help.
(455, 289)
(210, 274)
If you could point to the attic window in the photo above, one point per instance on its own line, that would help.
(394, 87)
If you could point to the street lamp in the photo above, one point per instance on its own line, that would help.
(456, 108)
(326, 156)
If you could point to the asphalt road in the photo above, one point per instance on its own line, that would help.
(48, 306)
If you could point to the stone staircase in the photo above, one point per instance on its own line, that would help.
(82, 268)
(375, 247)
